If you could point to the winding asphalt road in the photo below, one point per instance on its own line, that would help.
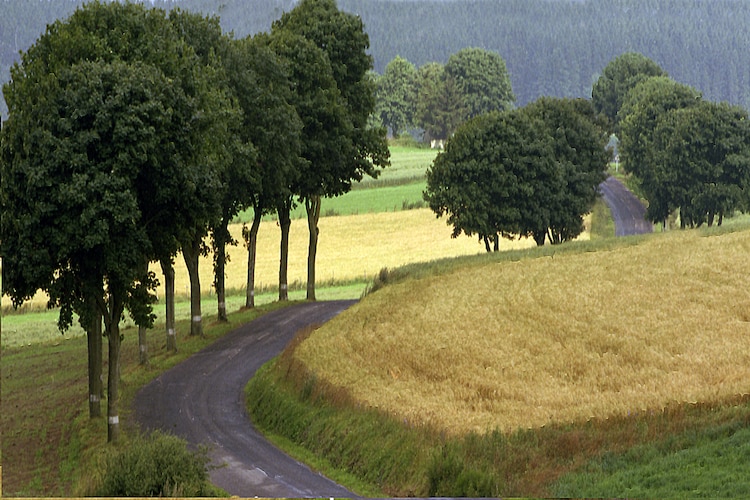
(627, 210)
(202, 399)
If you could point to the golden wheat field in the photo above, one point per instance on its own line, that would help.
(566, 338)
(350, 247)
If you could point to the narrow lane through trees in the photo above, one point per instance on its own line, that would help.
(627, 210)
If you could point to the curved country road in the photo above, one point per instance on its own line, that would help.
(202, 400)
(627, 210)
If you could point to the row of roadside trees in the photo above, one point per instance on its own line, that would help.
(690, 156)
(535, 171)
(134, 135)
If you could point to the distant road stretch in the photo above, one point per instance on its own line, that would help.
(202, 400)
(627, 211)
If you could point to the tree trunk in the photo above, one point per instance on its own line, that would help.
(487, 243)
(167, 268)
(221, 237)
(312, 204)
(113, 309)
(539, 237)
(497, 242)
(285, 222)
(251, 239)
(191, 253)
(113, 383)
(142, 344)
(94, 337)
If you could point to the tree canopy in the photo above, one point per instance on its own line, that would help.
(335, 99)
(396, 95)
(482, 80)
(105, 106)
(532, 171)
(619, 76)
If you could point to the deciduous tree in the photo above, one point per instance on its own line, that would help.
(482, 79)
(619, 76)
(357, 149)
(396, 95)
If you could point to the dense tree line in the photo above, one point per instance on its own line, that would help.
(551, 47)
(437, 98)
(532, 172)
(135, 134)
(691, 156)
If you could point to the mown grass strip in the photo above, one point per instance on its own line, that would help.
(50, 446)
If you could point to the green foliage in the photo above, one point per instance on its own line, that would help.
(159, 465)
(530, 172)
(482, 80)
(396, 95)
(703, 154)
(365, 442)
(440, 107)
(619, 76)
(688, 154)
(449, 476)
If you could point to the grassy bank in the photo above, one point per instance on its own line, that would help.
(50, 446)
(583, 351)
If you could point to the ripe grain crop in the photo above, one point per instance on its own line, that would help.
(566, 338)
(350, 248)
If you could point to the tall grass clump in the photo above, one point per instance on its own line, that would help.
(159, 465)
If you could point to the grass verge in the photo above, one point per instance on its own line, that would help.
(50, 446)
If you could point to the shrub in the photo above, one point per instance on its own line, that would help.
(156, 466)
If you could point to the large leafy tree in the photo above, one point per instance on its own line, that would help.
(72, 172)
(528, 172)
(481, 180)
(221, 163)
(396, 95)
(645, 106)
(578, 164)
(91, 152)
(361, 150)
(260, 80)
(440, 107)
(704, 151)
(482, 79)
(619, 76)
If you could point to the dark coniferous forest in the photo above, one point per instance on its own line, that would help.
(551, 47)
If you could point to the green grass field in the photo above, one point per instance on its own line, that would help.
(398, 187)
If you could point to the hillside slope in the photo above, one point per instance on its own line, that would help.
(564, 337)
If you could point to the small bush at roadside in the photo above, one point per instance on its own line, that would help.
(156, 466)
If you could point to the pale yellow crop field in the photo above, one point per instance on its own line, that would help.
(520, 344)
(350, 247)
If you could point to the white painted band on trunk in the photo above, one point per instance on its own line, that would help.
(170, 332)
(93, 398)
(196, 319)
(222, 305)
(143, 347)
(284, 286)
(114, 420)
(252, 293)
